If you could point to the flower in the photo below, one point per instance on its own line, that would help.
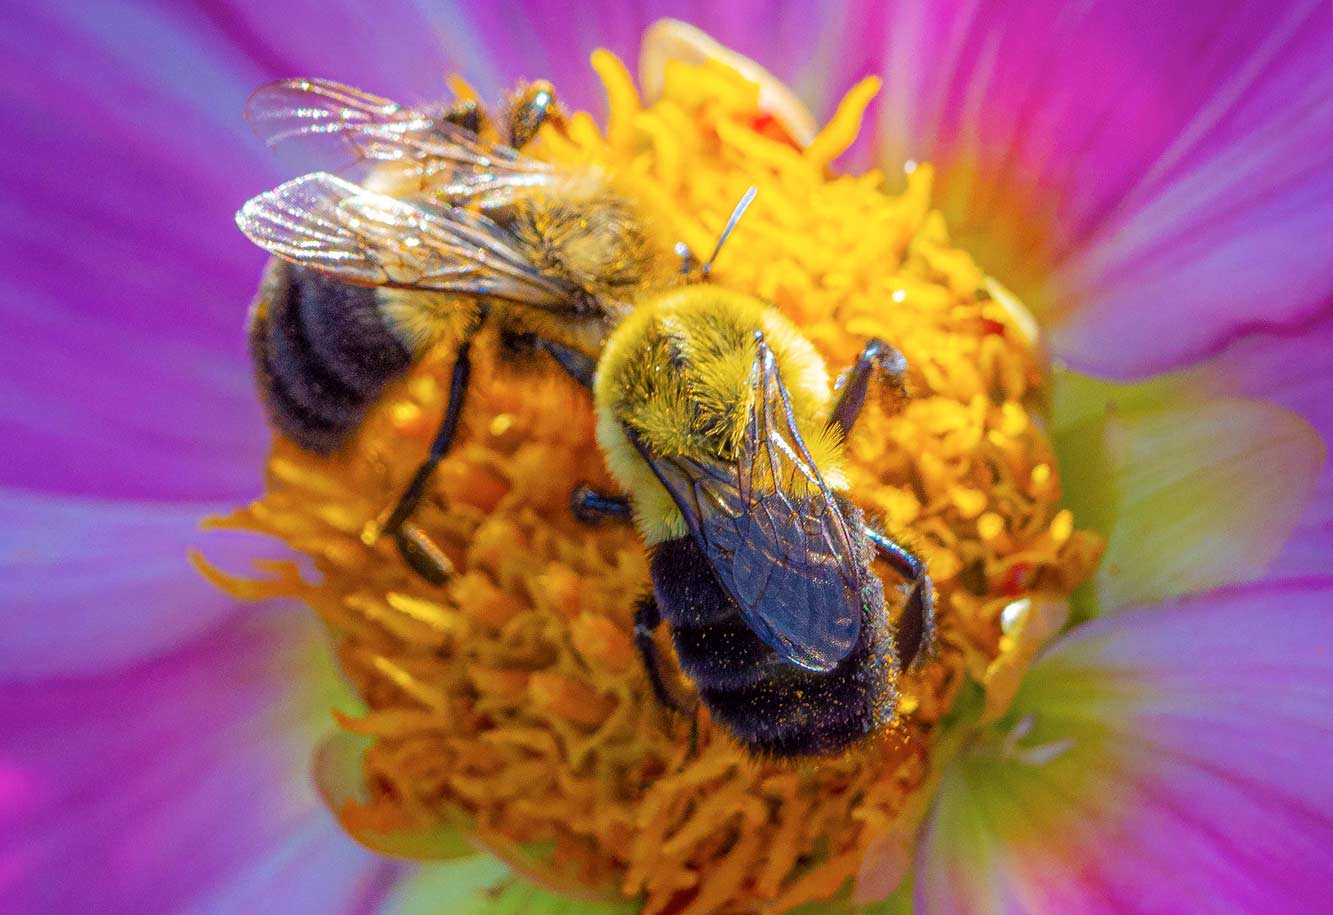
(513, 697)
(1214, 206)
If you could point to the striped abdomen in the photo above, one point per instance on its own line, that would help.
(775, 707)
(322, 354)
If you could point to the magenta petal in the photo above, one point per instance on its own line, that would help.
(1165, 170)
(179, 784)
(1169, 760)
(88, 586)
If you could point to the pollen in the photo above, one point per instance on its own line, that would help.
(510, 701)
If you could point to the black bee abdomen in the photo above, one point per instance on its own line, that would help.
(771, 705)
(322, 354)
(347, 334)
(796, 712)
(723, 656)
(685, 586)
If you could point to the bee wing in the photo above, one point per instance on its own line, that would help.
(773, 532)
(341, 126)
(371, 239)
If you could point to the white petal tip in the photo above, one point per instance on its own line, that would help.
(671, 39)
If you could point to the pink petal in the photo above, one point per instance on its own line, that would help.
(1291, 369)
(1201, 495)
(1173, 764)
(179, 783)
(88, 586)
(1164, 170)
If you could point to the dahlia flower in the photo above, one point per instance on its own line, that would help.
(1100, 235)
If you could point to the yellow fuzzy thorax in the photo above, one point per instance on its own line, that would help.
(510, 700)
(677, 371)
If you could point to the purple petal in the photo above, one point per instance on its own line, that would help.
(96, 408)
(125, 285)
(494, 45)
(1169, 760)
(397, 51)
(1166, 171)
(88, 586)
(180, 783)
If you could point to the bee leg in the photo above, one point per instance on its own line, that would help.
(577, 365)
(877, 358)
(466, 114)
(588, 506)
(530, 107)
(422, 555)
(416, 548)
(916, 629)
(646, 620)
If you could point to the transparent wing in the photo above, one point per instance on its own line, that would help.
(337, 126)
(773, 532)
(360, 236)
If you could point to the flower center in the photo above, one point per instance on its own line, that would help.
(512, 696)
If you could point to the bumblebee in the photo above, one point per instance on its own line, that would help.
(715, 415)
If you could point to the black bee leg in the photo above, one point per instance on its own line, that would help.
(530, 107)
(878, 358)
(916, 629)
(466, 114)
(646, 620)
(693, 750)
(417, 551)
(577, 365)
(588, 506)
(421, 554)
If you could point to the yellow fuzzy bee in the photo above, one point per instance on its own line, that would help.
(715, 415)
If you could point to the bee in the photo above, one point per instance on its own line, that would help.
(715, 415)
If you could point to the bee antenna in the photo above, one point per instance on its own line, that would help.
(736, 215)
